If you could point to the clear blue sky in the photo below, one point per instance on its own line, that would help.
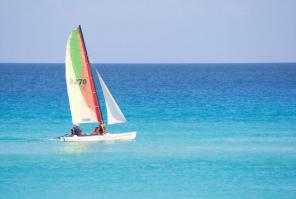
(151, 31)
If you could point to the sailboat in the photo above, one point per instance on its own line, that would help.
(83, 99)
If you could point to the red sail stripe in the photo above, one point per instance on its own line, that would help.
(92, 101)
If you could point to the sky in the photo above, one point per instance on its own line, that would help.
(150, 31)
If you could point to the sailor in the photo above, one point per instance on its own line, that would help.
(76, 130)
(100, 130)
(103, 128)
(73, 130)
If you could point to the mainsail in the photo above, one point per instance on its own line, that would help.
(114, 113)
(82, 94)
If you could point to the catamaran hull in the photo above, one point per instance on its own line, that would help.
(93, 138)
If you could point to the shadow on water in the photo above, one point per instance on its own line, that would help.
(91, 147)
(52, 145)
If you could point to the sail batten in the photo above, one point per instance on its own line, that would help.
(114, 114)
(82, 95)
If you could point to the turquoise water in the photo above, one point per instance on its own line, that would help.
(204, 131)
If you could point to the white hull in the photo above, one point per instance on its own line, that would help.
(106, 137)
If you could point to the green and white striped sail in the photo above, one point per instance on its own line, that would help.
(81, 91)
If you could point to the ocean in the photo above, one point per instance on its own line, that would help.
(203, 131)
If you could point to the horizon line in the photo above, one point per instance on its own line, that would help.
(156, 63)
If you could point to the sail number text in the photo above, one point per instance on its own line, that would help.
(77, 81)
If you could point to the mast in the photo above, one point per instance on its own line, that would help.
(93, 88)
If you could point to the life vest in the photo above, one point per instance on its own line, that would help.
(96, 131)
